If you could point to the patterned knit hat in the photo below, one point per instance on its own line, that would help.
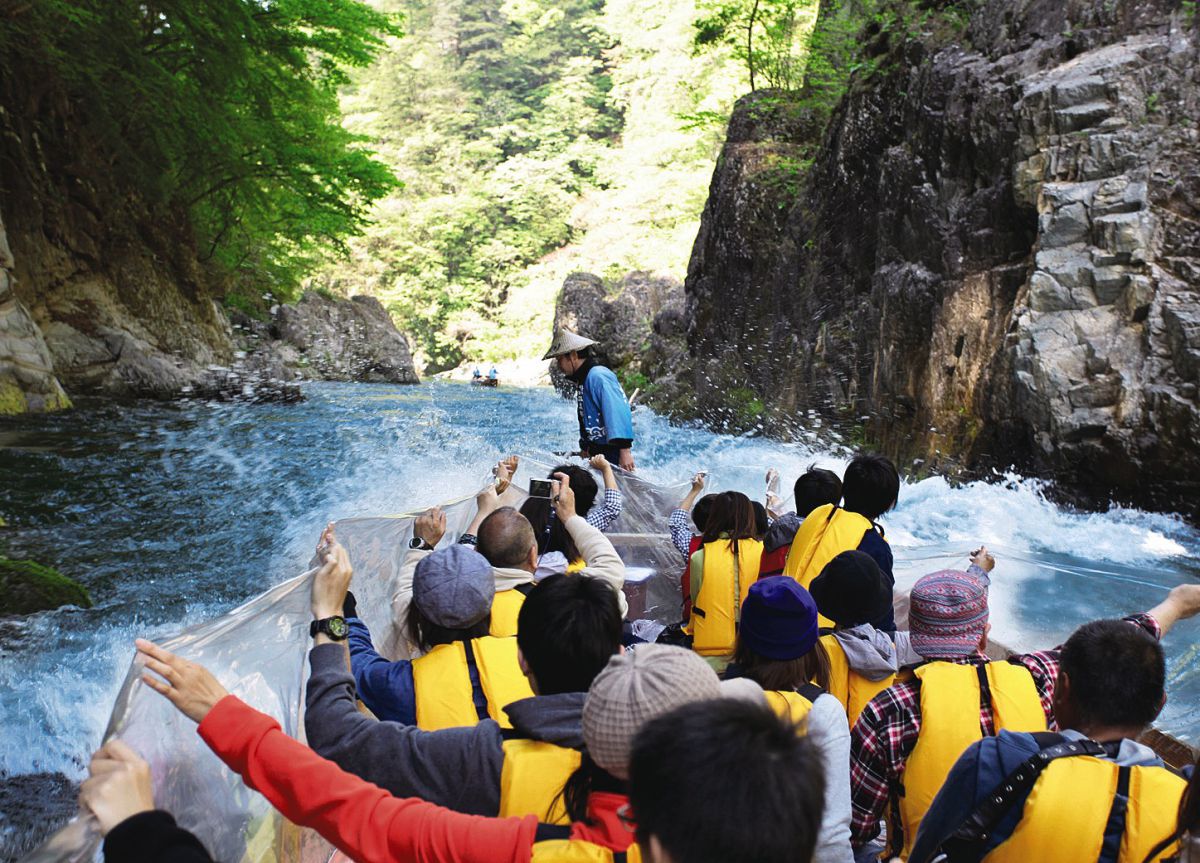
(635, 687)
(947, 613)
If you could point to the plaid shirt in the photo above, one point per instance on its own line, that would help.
(601, 517)
(887, 731)
(680, 525)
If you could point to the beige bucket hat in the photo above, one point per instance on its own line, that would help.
(566, 341)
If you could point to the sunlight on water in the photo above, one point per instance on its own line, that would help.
(173, 514)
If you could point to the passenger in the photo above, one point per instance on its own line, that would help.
(864, 661)
(870, 487)
(680, 523)
(708, 780)
(463, 675)
(722, 571)
(778, 648)
(568, 628)
(557, 551)
(1089, 792)
(815, 487)
(909, 736)
(508, 541)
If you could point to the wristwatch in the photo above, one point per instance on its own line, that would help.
(335, 627)
(418, 543)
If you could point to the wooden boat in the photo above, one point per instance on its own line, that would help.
(486, 382)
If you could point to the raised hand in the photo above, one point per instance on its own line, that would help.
(188, 685)
(983, 559)
(564, 498)
(431, 526)
(332, 580)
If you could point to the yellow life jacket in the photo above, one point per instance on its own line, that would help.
(795, 705)
(442, 681)
(847, 685)
(580, 851)
(727, 579)
(950, 702)
(1067, 813)
(506, 607)
(826, 532)
(533, 777)
(577, 565)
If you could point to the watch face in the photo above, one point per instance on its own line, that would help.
(338, 628)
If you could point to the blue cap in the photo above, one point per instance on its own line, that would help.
(454, 587)
(779, 619)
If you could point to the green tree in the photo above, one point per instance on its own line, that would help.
(768, 36)
(228, 109)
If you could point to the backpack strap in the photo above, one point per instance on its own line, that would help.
(810, 691)
(968, 841)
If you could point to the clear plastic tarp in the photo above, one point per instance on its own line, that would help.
(259, 652)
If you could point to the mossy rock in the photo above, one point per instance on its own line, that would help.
(27, 587)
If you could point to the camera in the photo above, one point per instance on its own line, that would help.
(541, 488)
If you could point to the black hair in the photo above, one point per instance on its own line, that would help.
(548, 529)
(505, 538)
(761, 520)
(816, 487)
(568, 628)
(726, 781)
(783, 675)
(870, 486)
(424, 632)
(701, 510)
(587, 778)
(731, 514)
(1116, 671)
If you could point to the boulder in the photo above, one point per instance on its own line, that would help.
(324, 337)
(620, 317)
(27, 587)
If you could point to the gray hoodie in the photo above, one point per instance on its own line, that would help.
(458, 767)
(873, 654)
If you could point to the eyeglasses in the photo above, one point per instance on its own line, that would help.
(625, 816)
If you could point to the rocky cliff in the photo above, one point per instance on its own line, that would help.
(989, 256)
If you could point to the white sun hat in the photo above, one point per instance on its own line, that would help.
(565, 342)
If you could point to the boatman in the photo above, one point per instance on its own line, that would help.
(605, 421)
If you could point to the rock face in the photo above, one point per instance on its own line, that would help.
(993, 260)
(623, 319)
(27, 380)
(326, 338)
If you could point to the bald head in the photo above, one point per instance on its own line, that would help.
(506, 539)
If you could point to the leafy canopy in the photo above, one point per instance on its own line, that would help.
(229, 109)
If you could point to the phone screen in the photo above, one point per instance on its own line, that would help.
(540, 488)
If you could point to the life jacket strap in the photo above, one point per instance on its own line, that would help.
(810, 691)
(969, 840)
(525, 589)
(477, 694)
(1114, 829)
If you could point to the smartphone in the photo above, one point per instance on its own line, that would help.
(540, 488)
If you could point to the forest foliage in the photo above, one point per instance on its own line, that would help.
(228, 110)
(533, 138)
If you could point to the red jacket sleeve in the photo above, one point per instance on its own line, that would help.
(361, 819)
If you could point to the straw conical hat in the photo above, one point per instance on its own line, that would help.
(565, 342)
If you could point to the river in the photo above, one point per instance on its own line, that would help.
(173, 513)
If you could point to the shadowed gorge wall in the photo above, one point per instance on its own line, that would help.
(990, 255)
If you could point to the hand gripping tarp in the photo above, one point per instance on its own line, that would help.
(259, 652)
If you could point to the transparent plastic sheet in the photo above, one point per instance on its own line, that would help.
(259, 652)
